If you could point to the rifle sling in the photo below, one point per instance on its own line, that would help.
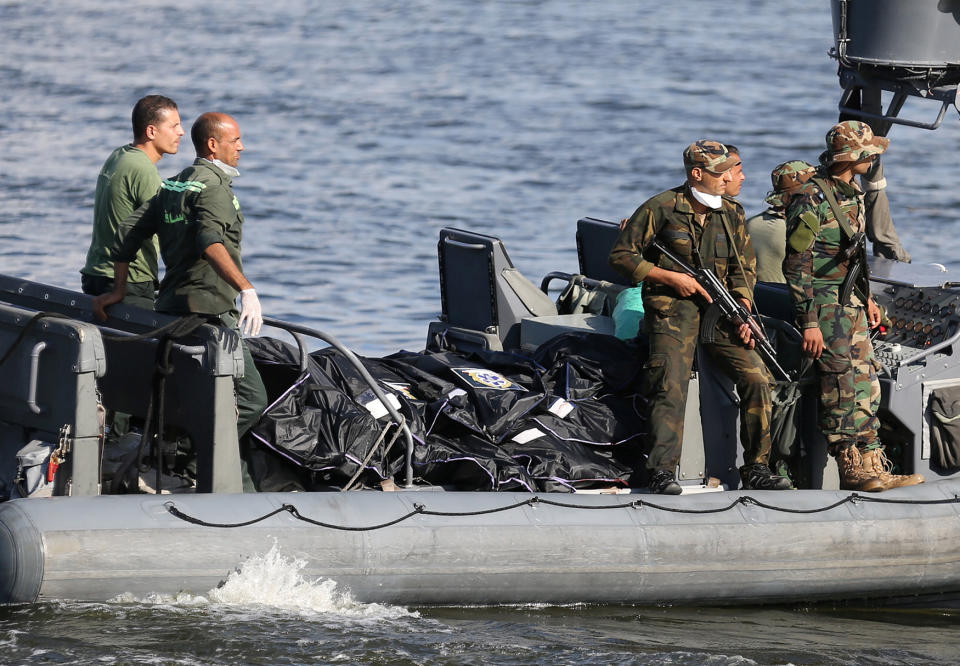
(827, 192)
(849, 283)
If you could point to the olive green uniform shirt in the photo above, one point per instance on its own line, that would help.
(768, 235)
(192, 211)
(127, 180)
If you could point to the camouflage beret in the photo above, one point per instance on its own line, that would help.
(786, 176)
(852, 141)
(712, 156)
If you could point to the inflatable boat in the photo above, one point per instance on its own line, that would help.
(418, 541)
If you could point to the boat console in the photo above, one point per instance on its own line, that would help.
(920, 355)
(921, 320)
(923, 310)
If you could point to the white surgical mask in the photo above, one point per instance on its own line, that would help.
(714, 201)
(233, 172)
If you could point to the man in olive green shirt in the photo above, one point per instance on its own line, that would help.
(128, 179)
(199, 223)
(768, 230)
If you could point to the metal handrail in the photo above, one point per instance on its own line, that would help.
(189, 350)
(297, 331)
(602, 285)
(892, 117)
(35, 377)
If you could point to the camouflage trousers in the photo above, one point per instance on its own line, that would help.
(673, 336)
(849, 388)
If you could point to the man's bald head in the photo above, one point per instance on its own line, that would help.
(207, 126)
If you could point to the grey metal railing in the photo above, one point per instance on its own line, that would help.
(298, 331)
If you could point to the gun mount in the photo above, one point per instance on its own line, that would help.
(909, 48)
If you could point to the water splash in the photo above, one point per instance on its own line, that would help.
(273, 581)
(277, 581)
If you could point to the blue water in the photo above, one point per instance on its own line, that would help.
(370, 125)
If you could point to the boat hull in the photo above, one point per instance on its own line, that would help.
(604, 551)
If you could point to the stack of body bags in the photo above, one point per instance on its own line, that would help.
(565, 418)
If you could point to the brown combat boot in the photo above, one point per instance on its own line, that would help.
(876, 463)
(853, 475)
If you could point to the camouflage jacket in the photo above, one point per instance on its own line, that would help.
(812, 266)
(670, 216)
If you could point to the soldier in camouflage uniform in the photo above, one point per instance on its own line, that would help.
(768, 230)
(835, 333)
(697, 223)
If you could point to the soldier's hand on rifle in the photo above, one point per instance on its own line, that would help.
(873, 313)
(686, 285)
(813, 342)
(745, 331)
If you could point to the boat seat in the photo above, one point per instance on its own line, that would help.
(595, 239)
(482, 293)
(596, 288)
(486, 300)
(773, 300)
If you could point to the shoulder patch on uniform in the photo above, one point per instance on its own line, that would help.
(183, 186)
(802, 238)
(805, 233)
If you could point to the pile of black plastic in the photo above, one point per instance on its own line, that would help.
(568, 417)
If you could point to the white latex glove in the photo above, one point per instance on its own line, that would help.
(251, 316)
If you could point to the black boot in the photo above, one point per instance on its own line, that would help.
(664, 483)
(759, 477)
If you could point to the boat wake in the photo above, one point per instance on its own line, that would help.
(275, 582)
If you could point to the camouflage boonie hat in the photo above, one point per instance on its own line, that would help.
(787, 175)
(709, 155)
(852, 141)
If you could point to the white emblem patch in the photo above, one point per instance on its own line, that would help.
(483, 378)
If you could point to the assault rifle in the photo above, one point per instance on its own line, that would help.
(729, 307)
(858, 275)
